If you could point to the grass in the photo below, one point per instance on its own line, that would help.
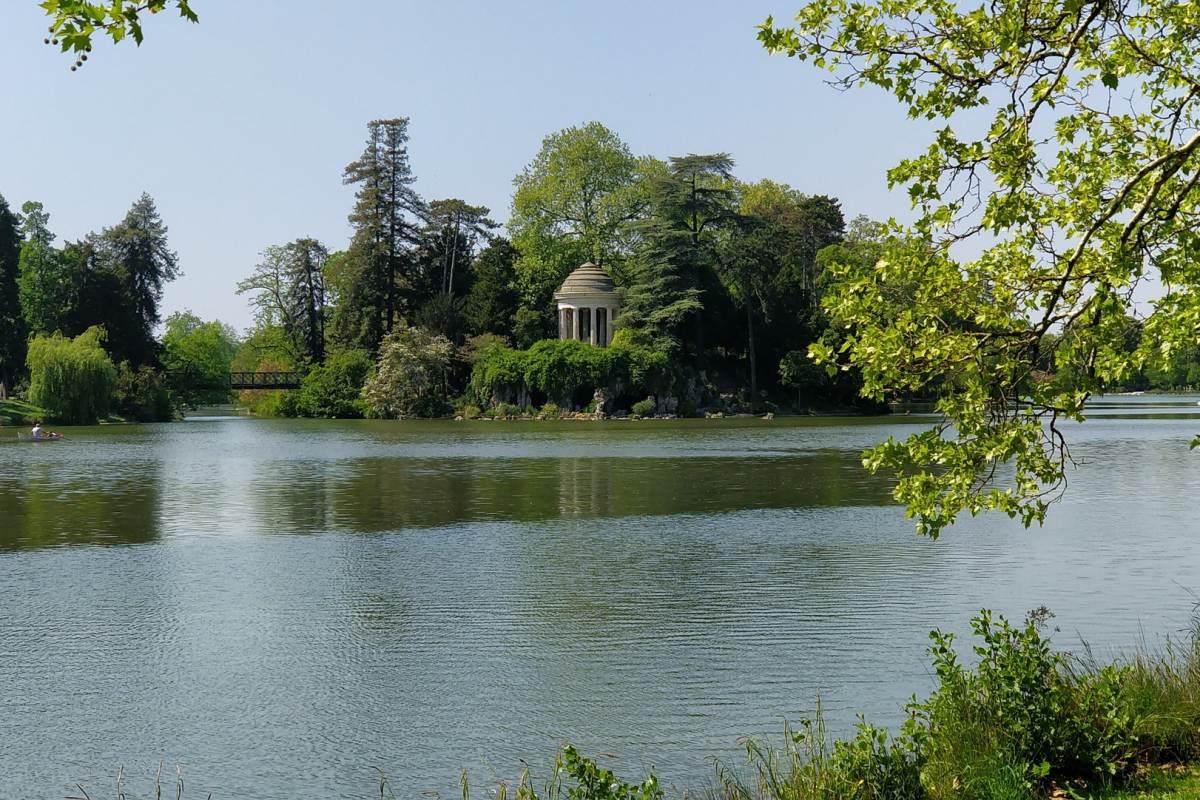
(1026, 722)
(17, 412)
(1161, 785)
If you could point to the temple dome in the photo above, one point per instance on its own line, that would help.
(589, 279)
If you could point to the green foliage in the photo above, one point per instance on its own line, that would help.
(1024, 719)
(662, 296)
(198, 356)
(74, 23)
(142, 394)
(468, 411)
(593, 782)
(560, 368)
(136, 252)
(386, 218)
(73, 379)
(571, 205)
(44, 280)
(1080, 184)
(492, 300)
(798, 371)
(334, 389)
(12, 326)
(1023, 702)
(412, 377)
(289, 293)
(443, 314)
(644, 408)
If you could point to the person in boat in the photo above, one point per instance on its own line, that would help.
(39, 432)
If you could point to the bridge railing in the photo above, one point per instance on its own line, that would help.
(265, 380)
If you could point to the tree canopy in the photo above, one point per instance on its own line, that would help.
(75, 23)
(1065, 152)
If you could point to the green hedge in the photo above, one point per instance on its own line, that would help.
(559, 368)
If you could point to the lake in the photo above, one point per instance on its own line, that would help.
(287, 607)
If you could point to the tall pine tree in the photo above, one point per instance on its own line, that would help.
(387, 218)
(139, 255)
(12, 327)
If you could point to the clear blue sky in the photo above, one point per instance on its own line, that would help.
(240, 126)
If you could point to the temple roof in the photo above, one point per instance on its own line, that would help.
(587, 279)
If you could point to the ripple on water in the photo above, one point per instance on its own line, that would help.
(475, 595)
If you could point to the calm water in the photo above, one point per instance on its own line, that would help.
(284, 607)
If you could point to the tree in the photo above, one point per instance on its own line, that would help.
(386, 219)
(493, 298)
(456, 228)
(658, 300)
(72, 379)
(74, 23)
(198, 355)
(412, 377)
(12, 326)
(1080, 186)
(138, 254)
(796, 227)
(333, 390)
(693, 202)
(43, 282)
(748, 263)
(289, 287)
(572, 204)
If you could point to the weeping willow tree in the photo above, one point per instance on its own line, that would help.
(72, 379)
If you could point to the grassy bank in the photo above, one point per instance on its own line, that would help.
(17, 412)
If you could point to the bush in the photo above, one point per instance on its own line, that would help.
(550, 411)
(334, 389)
(468, 411)
(1024, 719)
(412, 379)
(73, 379)
(506, 411)
(561, 368)
(644, 408)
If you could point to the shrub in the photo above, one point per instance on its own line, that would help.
(506, 411)
(334, 389)
(468, 411)
(1025, 718)
(644, 408)
(560, 369)
(412, 378)
(550, 411)
(73, 379)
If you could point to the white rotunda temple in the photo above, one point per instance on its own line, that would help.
(587, 305)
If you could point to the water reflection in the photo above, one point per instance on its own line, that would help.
(471, 595)
(240, 477)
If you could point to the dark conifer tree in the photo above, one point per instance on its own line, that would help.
(387, 217)
(139, 255)
(12, 327)
(494, 297)
(658, 300)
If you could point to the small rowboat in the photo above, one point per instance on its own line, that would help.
(49, 437)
